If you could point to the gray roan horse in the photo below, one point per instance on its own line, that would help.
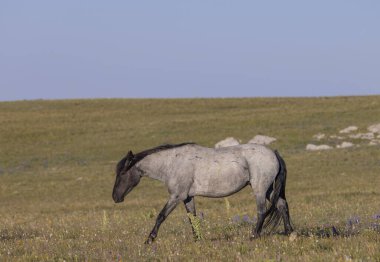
(190, 170)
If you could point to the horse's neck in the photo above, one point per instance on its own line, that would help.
(154, 166)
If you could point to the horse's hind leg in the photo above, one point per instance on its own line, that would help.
(168, 208)
(190, 209)
(282, 206)
(261, 212)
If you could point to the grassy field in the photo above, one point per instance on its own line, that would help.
(57, 161)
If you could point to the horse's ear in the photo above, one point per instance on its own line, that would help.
(125, 161)
(130, 155)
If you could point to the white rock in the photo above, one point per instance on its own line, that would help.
(368, 136)
(374, 128)
(336, 137)
(293, 236)
(311, 147)
(229, 141)
(374, 142)
(345, 145)
(348, 129)
(319, 136)
(262, 140)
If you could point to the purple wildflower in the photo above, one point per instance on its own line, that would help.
(375, 227)
(246, 219)
(201, 215)
(376, 216)
(353, 221)
(236, 219)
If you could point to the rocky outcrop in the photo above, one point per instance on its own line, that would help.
(312, 147)
(345, 145)
(348, 129)
(374, 128)
(368, 136)
(319, 136)
(262, 140)
(229, 141)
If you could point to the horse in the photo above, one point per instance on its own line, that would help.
(190, 170)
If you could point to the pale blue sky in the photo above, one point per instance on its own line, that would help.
(90, 49)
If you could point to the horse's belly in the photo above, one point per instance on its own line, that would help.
(219, 184)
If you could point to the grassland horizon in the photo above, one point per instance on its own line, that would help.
(68, 98)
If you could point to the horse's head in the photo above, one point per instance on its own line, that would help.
(126, 178)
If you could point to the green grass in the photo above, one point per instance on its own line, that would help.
(57, 161)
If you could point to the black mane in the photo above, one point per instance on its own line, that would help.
(134, 159)
(121, 164)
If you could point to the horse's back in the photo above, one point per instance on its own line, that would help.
(252, 153)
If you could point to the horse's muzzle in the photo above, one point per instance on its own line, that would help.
(117, 199)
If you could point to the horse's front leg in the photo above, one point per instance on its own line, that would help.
(190, 209)
(169, 207)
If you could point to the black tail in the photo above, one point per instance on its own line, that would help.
(273, 216)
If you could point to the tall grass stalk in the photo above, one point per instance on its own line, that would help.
(196, 223)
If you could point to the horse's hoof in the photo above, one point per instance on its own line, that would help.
(254, 236)
(149, 241)
(288, 232)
